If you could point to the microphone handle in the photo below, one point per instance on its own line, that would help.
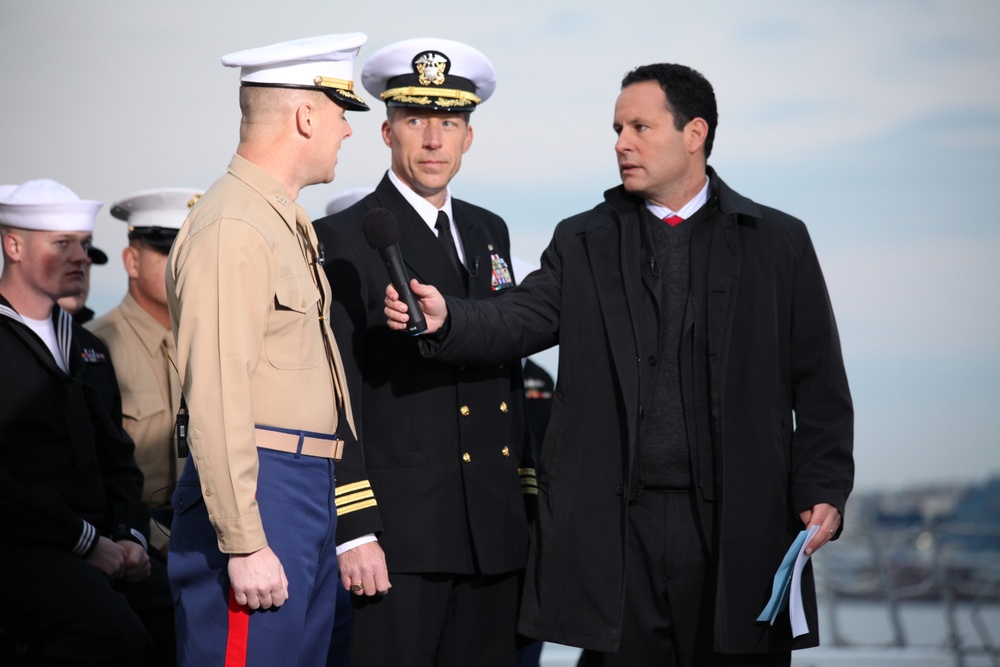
(393, 260)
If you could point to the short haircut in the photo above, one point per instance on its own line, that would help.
(689, 95)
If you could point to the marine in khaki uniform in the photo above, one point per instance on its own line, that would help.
(274, 492)
(138, 334)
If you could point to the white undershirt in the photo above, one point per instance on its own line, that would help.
(46, 330)
(428, 212)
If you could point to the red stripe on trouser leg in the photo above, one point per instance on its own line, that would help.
(239, 629)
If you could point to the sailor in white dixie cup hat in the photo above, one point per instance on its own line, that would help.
(258, 506)
(455, 554)
(137, 331)
(47, 205)
(61, 438)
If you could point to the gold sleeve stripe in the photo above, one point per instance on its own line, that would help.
(354, 497)
(351, 488)
(341, 511)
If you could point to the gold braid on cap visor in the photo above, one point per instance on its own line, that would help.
(345, 86)
(413, 91)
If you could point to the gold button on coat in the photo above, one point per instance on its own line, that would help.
(505, 451)
(466, 457)
(503, 406)
(465, 411)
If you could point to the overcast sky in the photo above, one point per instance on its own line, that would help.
(876, 122)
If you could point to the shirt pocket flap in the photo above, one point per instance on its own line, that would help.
(142, 405)
(296, 293)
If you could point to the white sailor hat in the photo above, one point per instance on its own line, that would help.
(430, 73)
(323, 63)
(48, 206)
(154, 216)
(347, 199)
(6, 190)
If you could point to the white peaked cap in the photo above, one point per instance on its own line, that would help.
(323, 63)
(48, 206)
(154, 216)
(162, 207)
(431, 73)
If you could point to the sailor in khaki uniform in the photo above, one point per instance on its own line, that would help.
(138, 334)
(257, 520)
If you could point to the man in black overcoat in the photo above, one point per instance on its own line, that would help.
(702, 416)
(79, 586)
(444, 443)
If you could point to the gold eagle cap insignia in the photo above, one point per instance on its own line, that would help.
(431, 68)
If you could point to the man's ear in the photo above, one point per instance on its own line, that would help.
(304, 121)
(12, 245)
(387, 133)
(467, 144)
(130, 258)
(695, 134)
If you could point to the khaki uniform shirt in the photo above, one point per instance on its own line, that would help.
(141, 350)
(249, 306)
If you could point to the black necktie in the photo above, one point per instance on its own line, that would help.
(448, 242)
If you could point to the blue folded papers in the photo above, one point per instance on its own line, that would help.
(786, 591)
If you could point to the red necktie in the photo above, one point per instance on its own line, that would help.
(673, 220)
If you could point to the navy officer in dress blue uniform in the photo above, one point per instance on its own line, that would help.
(444, 444)
(79, 586)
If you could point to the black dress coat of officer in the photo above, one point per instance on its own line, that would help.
(67, 477)
(760, 343)
(443, 443)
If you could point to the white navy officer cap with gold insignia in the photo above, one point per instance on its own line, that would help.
(47, 206)
(155, 216)
(324, 63)
(430, 73)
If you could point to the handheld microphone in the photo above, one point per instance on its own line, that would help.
(382, 233)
